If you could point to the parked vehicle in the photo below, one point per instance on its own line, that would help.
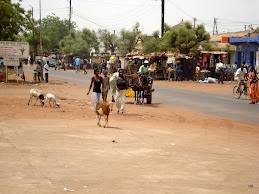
(52, 62)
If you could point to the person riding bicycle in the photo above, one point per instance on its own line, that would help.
(241, 75)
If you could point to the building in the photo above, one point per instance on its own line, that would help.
(247, 48)
(222, 41)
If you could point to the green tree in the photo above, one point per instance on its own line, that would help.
(128, 39)
(108, 39)
(55, 29)
(14, 20)
(184, 39)
(80, 43)
(151, 43)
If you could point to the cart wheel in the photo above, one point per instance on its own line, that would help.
(149, 98)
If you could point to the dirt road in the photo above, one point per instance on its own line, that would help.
(150, 149)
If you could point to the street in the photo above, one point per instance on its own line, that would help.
(214, 105)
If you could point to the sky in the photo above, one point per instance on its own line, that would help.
(231, 15)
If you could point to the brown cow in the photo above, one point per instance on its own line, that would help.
(103, 109)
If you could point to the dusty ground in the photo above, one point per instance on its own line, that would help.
(150, 149)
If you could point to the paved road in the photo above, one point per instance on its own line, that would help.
(216, 105)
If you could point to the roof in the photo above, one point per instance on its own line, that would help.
(223, 46)
(177, 26)
(215, 52)
(217, 37)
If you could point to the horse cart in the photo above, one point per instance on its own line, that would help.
(142, 85)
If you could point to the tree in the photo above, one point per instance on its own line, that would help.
(184, 39)
(108, 39)
(128, 39)
(79, 43)
(167, 27)
(55, 29)
(14, 20)
(151, 43)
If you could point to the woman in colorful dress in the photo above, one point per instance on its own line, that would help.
(253, 92)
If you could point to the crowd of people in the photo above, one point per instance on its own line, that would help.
(117, 84)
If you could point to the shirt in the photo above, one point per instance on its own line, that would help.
(198, 69)
(44, 59)
(241, 74)
(46, 68)
(178, 68)
(78, 61)
(220, 66)
(108, 64)
(143, 69)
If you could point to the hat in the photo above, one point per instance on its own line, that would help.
(146, 61)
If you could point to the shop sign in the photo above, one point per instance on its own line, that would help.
(14, 49)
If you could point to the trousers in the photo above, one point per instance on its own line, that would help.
(47, 77)
(96, 99)
(120, 100)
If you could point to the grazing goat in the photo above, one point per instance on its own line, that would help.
(34, 93)
(53, 101)
(103, 109)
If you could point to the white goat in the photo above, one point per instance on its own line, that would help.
(34, 93)
(53, 101)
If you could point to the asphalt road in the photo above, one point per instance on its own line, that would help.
(220, 106)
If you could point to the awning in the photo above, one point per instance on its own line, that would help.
(215, 52)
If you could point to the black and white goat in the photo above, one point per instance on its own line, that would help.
(34, 93)
(53, 101)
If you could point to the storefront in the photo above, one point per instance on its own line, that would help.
(246, 49)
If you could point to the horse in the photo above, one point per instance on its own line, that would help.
(139, 86)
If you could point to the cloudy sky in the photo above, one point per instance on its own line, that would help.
(232, 15)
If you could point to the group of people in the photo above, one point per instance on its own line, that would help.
(107, 66)
(117, 84)
(45, 69)
(241, 75)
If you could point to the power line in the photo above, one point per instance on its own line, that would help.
(181, 9)
(100, 25)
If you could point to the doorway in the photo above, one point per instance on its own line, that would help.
(252, 56)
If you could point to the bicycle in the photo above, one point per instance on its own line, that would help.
(242, 90)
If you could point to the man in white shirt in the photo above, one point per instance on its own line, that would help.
(241, 74)
(220, 71)
(109, 66)
(46, 71)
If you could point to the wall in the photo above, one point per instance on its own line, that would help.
(246, 50)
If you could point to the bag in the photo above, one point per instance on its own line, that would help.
(129, 92)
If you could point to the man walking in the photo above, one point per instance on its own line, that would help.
(38, 70)
(46, 71)
(109, 66)
(220, 70)
(78, 63)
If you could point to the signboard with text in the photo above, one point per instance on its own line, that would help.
(11, 61)
(14, 49)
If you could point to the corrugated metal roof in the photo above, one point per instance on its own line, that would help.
(217, 37)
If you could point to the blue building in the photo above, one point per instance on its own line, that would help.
(247, 49)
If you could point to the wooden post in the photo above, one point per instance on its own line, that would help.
(6, 76)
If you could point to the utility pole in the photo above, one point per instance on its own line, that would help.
(194, 22)
(163, 18)
(70, 10)
(33, 42)
(215, 27)
(213, 33)
(41, 44)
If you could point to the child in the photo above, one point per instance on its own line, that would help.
(106, 80)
